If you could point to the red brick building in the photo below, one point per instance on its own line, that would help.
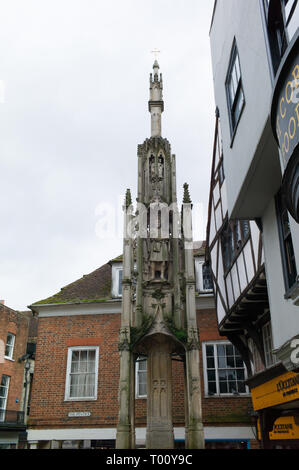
(74, 400)
(17, 337)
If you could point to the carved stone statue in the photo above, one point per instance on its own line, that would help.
(160, 167)
(158, 258)
(152, 168)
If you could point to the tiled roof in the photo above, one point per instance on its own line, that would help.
(93, 287)
(96, 286)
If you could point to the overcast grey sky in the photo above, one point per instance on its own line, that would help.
(74, 91)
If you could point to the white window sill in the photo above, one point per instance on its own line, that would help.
(80, 399)
(229, 395)
(9, 359)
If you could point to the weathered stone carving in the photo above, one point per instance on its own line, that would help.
(158, 306)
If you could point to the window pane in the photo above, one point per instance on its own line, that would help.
(239, 362)
(91, 355)
(232, 92)
(237, 65)
(91, 366)
(75, 355)
(10, 339)
(83, 355)
(210, 350)
(207, 277)
(5, 380)
(75, 367)
(222, 362)
(142, 365)
(220, 350)
(241, 387)
(230, 361)
(211, 375)
(120, 282)
(212, 388)
(240, 375)
(292, 18)
(210, 363)
(222, 375)
(231, 375)
(232, 387)
(141, 368)
(142, 389)
(223, 387)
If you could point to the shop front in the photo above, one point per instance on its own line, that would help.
(275, 399)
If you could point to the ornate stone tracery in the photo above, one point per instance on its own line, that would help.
(158, 306)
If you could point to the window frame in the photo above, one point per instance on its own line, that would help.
(270, 359)
(229, 240)
(116, 290)
(11, 346)
(219, 394)
(232, 105)
(286, 243)
(67, 396)
(6, 387)
(137, 373)
(199, 264)
(278, 22)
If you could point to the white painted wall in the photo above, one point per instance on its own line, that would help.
(284, 315)
(244, 161)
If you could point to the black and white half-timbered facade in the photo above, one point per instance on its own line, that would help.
(253, 231)
(236, 257)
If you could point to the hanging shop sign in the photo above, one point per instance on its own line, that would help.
(284, 428)
(282, 389)
(285, 122)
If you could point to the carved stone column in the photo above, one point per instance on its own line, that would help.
(159, 403)
(194, 428)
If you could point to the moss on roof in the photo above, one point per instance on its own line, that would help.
(93, 287)
(96, 286)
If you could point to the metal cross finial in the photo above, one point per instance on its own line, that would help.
(156, 52)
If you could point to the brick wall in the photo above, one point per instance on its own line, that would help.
(56, 334)
(220, 410)
(17, 324)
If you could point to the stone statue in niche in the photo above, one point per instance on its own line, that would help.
(152, 168)
(160, 167)
(158, 257)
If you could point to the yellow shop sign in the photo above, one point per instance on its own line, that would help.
(280, 390)
(283, 428)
